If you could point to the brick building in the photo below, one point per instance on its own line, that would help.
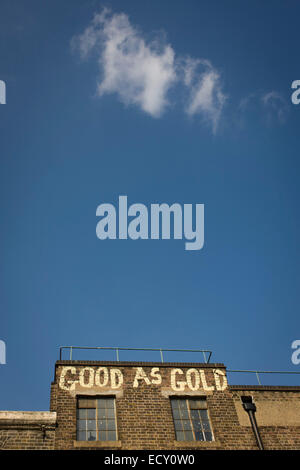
(150, 405)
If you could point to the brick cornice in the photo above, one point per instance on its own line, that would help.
(266, 388)
(201, 365)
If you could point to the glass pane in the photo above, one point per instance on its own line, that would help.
(203, 415)
(81, 414)
(195, 414)
(91, 425)
(81, 435)
(197, 425)
(208, 436)
(102, 436)
(180, 436)
(111, 435)
(110, 403)
(111, 425)
(86, 403)
(184, 414)
(178, 425)
(187, 425)
(206, 426)
(182, 404)
(81, 424)
(91, 414)
(101, 413)
(189, 436)
(174, 404)
(176, 414)
(91, 403)
(91, 435)
(101, 403)
(199, 436)
(102, 425)
(81, 403)
(110, 413)
(197, 404)
(193, 404)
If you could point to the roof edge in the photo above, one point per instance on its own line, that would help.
(266, 388)
(141, 363)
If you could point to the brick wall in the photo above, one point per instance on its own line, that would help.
(144, 417)
(277, 415)
(144, 414)
(27, 430)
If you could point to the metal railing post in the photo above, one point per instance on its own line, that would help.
(161, 356)
(258, 380)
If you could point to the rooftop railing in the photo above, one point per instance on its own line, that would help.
(259, 372)
(205, 353)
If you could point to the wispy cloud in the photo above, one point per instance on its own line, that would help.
(271, 106)
(137, 72)
(206, 96)
(142, 73)
(275, 106)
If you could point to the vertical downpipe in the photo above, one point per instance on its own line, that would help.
(250, 407)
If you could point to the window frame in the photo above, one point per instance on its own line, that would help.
(95, 398)
(187, 399)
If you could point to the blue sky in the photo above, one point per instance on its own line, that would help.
(210, 121)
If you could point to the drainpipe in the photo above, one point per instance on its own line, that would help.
(250, 407)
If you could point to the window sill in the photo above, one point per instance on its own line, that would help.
(98, 444)
(188, 444)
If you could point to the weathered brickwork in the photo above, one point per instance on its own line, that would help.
(27, 430)
(277, 415)
(142, 393)
(143, 407)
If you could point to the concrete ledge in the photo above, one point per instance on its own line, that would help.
(201, 365)
(196, 444)
(98, 444)
(166, 392)
(27, 417)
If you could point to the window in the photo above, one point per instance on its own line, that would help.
(191, 419)
(96, 419)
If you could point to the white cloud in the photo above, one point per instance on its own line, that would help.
(139, 73)
(276, 105)
(206, 95)
(271, 105)
(142, 73)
